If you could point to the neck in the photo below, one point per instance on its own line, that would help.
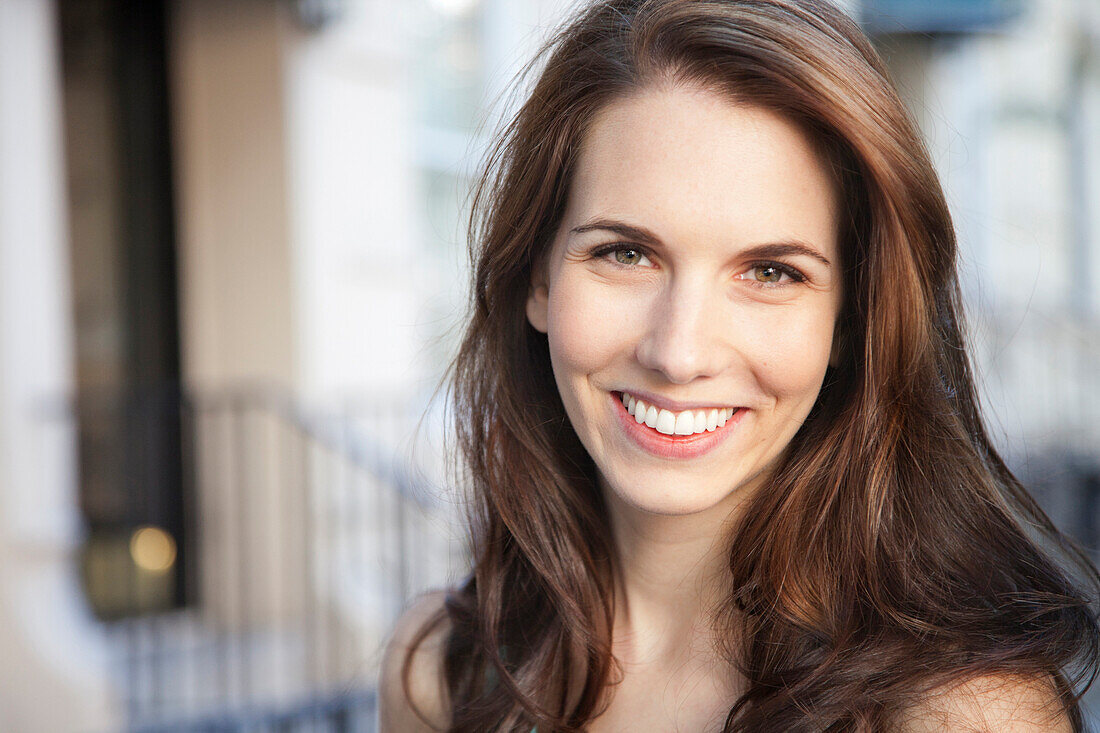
(672, 575)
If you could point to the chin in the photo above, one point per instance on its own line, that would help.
(666, 501)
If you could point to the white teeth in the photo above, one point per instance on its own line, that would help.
(666, 422)
(671, 423)
(700, 422)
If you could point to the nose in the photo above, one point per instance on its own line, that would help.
(684, 338)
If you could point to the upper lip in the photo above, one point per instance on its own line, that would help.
(662, 403)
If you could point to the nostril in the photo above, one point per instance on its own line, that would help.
(680, 354)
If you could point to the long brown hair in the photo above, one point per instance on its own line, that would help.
(888, 556)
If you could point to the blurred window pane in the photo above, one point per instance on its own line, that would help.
(448, 65)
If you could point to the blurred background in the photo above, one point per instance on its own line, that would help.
(232, 261)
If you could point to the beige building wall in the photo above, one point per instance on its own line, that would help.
(227, 62)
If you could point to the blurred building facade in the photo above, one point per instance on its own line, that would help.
(1012, 118)
(231, 260)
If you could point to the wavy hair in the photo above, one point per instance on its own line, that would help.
(888, 555)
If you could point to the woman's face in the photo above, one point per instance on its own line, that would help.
(697, 271)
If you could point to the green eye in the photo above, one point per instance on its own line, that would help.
(628, 256)
(768, 274)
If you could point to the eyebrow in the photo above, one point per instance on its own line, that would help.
(641, 235)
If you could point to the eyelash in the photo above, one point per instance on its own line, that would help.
(795, 275)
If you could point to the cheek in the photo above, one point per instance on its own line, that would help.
(586, 326)
(790, 356)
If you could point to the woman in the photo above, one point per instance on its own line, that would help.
(727, 464)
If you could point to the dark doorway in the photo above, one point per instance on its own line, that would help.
(129, 410)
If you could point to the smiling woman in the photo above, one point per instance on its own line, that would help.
(695, 319)
(727, 467)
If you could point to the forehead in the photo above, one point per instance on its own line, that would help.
(691, 164)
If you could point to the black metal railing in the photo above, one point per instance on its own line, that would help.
(307, 533)
(351, 712)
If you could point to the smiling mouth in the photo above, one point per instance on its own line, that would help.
(667, 422)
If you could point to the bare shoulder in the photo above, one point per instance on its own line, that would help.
(993, 703)
(421, 705)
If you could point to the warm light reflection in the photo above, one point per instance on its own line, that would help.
(152, 549)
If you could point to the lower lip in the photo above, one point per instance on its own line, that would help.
(673, 446)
